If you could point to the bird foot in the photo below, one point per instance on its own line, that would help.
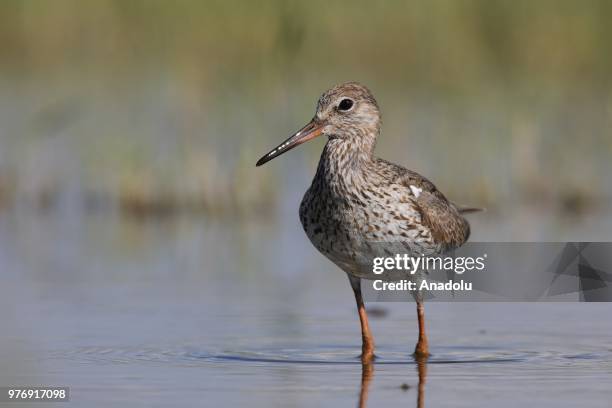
(421, 351)
(367, 356)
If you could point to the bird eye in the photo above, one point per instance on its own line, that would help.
(345, 105)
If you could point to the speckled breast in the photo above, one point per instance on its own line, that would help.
(349, 228)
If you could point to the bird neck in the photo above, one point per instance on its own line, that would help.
(343, 161)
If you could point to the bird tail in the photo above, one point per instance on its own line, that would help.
(468, 210)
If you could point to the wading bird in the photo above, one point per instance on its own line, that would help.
(356, 198)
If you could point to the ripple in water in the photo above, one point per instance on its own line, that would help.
(322, 355)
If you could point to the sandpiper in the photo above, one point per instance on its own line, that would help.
(356, 198)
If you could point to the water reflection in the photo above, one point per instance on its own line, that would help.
(422, 370)
(367, 375)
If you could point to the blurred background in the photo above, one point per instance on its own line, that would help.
(132, 218)
(157, 108)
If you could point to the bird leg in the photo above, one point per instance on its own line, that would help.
(367, 340)
(422, 347)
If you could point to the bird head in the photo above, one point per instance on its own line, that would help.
(346, 112)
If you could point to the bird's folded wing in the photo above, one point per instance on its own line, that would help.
(448, 228)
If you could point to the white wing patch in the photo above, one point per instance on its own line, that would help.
(416, 191)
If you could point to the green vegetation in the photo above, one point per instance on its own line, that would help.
(158, 106)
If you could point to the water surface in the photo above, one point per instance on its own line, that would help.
(194, 312)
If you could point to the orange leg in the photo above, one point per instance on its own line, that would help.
(367, 340)
(422, 347)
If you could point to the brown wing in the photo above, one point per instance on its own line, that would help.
(441, 216)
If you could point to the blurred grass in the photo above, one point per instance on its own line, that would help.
(154, 107)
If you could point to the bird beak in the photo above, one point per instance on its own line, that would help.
(310, 131)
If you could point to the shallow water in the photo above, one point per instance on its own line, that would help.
(193, 312)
